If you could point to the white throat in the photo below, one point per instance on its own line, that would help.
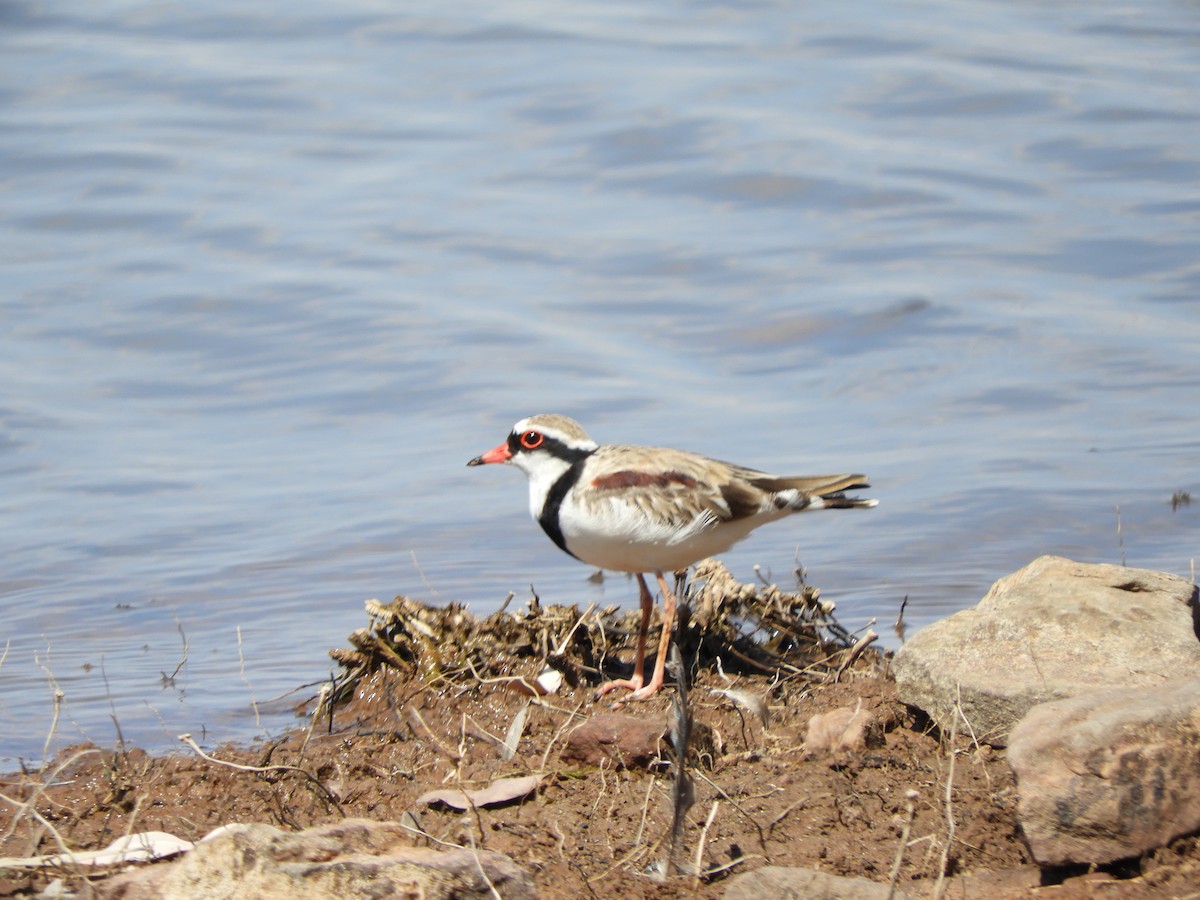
(542, 472)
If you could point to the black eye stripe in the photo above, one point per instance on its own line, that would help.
(549, 444)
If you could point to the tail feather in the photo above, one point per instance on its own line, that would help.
(820, 491)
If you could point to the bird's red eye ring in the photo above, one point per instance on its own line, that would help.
(531, 440)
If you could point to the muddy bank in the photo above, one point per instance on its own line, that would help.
(417, 714)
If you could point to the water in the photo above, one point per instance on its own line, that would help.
(272, 274)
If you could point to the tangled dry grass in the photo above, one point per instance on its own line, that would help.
(735, 627)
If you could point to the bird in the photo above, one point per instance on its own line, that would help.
(641, 509)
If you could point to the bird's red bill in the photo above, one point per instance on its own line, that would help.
(495, 455)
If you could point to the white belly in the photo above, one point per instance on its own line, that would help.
(626, 541)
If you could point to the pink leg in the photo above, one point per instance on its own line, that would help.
(664, 642)
(639, 660)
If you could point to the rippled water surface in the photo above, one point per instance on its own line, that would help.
(273, 272)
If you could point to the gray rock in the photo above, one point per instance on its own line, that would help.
(787, 883)
(347, 860)
(1052, 630)
(1110, 774)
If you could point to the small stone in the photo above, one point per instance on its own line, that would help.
(791, 883)
(619, 740)
(843, 731)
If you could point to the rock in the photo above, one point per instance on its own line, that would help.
(1110, 774)
(1014, 883)
(1052, 630)
(843, 731)
(617, 739)
(354, 858)
(788, 883)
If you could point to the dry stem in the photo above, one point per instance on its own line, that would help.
(312, 779)
(910, 811)
(949, 799)
(699, 863)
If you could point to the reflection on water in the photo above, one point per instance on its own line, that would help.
(272, 276)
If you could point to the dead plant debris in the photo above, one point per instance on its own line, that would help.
(736, 628)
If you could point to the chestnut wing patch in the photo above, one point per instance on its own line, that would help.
(631, 478)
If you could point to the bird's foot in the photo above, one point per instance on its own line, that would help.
(645, 693)
(631, 684)
(639, 690)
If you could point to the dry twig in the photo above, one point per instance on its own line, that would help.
(699, 863)
(245, 680)
(416, 718)
(949, 801)
(855, 652)
(910, 811)
(312, 779)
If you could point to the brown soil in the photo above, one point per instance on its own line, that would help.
(597, 831)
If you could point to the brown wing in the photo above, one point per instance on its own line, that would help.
(677, 487)
(672, 485)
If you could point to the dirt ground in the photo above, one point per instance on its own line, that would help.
(758, 797)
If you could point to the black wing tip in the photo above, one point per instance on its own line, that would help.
(841, 501)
